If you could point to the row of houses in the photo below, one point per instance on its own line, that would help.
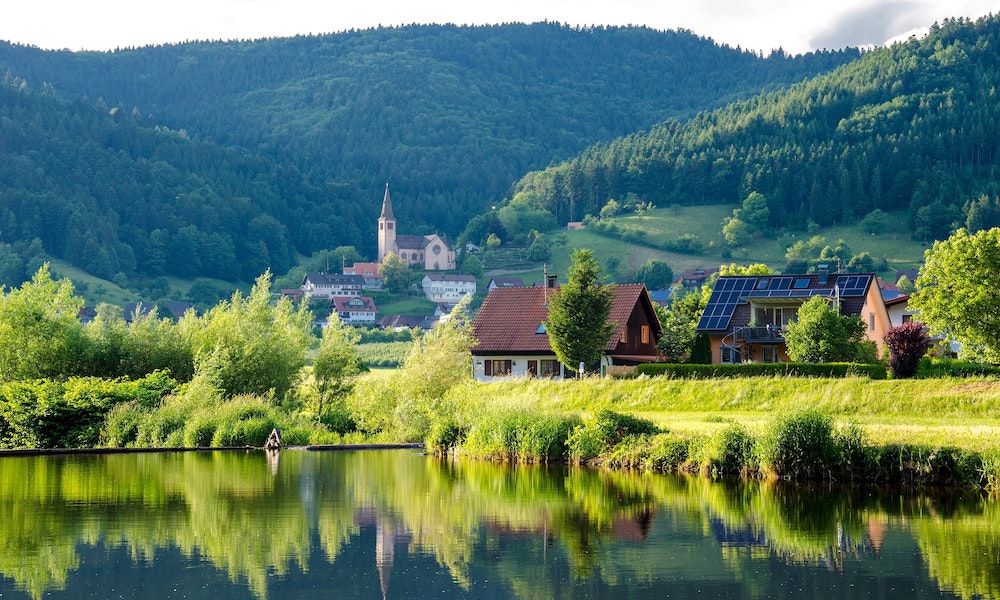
(437, 287)
(745, 319)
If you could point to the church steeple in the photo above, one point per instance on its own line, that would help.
(387, 206)
(386, 227)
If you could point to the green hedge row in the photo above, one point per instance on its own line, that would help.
(689, 371)
(943, 367)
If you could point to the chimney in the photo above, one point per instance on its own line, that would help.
(824, 273)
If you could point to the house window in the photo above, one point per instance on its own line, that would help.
(871, 321)
(907, 318)
(624, 338)
(548, 368)
(496, 368)
(645, 334)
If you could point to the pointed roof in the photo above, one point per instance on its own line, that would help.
(387, 206)
(509, 321)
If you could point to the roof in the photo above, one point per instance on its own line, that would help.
(406, 321)
(509, 319)
(699, 273)
(412, 242)
(729, 305)
(348, 303)
(333, 279)
(506, 282)
(368, 270)
(387, 206)
(903, 299)
(450, 277)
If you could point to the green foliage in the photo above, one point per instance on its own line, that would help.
(518, 435)
(116, 348)
(754, 212)
(820, 334)
(254, 345)
(40, 335)
(729, 451)
(577, 323)
(944, 367)
(799, 446)
(336, 362)
(710, 371)
(70, 414)
(383, 355)
(396, 274)
(874, 222)
(957, 292)
(441, 359)
(656, 274)
(605, 431)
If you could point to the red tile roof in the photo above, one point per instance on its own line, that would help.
(509, 319)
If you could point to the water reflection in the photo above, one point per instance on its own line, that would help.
(396, 524)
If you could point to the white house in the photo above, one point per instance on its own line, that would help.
(326, 286)
(448, 289)
(356, 310)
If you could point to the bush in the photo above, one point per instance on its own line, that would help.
(943, 367)
(799, 446)
(728, 451)
(519, 435)
(907, 344)
(607, 429)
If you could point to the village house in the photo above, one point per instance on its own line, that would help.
(447, 289)
(695, 278)
(325, 285)
(511, 339)
(747, 315)
(505, 282)
(367, 270)
(427, 252)
(355, 310)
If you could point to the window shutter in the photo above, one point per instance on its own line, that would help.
(488, 368)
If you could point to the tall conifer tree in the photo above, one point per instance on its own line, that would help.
(577, 324)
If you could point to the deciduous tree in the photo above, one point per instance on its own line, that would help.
(907, 344)
(822, 334)
(957, 292)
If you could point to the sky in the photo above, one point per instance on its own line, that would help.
(796, 26)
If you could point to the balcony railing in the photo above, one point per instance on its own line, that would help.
(760, 334)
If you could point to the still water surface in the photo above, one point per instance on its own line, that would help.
(396, 524)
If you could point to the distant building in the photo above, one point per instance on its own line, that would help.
(505, 282)
(355, 310)
(449, 289)
(368, 270)
(398, 322)
(326, 286)
(695, 278)
(428, 252)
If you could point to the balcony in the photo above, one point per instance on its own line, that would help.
(760, 334)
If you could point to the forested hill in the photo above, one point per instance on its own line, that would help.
(302, 133)
(913, 126)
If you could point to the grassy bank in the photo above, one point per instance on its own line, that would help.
(931, 431)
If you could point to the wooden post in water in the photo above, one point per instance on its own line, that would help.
(274, 441)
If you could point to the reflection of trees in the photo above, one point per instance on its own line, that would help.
(233, 511)
(962, 550)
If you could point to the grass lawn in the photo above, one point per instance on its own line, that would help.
(962, 413)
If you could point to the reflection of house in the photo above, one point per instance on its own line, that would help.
(746, 317)
(355, 310)
(368, 270)
(429, 252)
(327, 285)
(448, 288)
(511, 339)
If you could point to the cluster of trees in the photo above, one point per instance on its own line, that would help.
(909, 127)
(225, 159)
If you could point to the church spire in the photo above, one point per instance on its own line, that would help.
(387, 206)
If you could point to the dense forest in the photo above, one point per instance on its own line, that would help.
(915, 126)
(223, 159)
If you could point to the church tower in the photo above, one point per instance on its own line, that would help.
(386, 227)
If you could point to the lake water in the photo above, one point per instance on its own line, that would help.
(397, 524)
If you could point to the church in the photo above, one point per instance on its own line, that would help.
(427, 252)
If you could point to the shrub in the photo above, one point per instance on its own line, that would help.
(907, 344)
(604, 432)
(730, 450)
(518, 435)
(445, 435)
(798, 446)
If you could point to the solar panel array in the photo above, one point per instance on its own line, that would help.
(732, 291)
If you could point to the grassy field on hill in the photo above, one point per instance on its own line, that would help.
(663, 226)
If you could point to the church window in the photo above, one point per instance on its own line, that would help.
(389, 225)
(436, 249)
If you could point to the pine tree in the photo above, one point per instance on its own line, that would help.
(577, 323)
